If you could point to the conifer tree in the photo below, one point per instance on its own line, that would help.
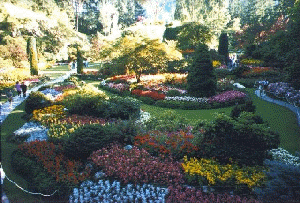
(32, 56)
(223, 47)
(201, 81)
(79, 61)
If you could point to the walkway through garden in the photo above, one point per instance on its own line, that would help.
(293, 108)
(5, 110)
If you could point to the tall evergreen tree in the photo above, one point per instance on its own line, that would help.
(223, 47)
(32, 56)
(201, 81)
(79, 60)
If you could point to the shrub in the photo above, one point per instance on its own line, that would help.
(86, 139)
(79, 61)
(201, 82)
(148, 100)
(186, 105)
(223, 46)
(136, 166)
(36, 100)
(241, 139)
(173, 93)
(248, 107)
(221, 73)
(283, 183)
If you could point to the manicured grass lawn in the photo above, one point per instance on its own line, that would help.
(281, 120)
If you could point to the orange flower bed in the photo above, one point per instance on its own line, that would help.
(152, 94)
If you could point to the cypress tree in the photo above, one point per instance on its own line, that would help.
(32, 56)
(223, 47)
(79, 61)
(201, 81)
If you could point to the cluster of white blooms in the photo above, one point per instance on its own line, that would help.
(144, 116)
(104, 191)
(103, 82)
(35, 130)
(186, 98)
(52, 94)
(284, 156)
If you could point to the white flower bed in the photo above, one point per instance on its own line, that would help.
(52, 94)
(35, 130)
(186, 98)
(284, 156)
(104, 191)
(144, 116)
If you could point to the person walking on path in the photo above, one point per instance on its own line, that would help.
(24, 88)
(18, 88)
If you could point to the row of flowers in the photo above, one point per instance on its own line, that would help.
(259, 71)
(53, 160)
(284, 90)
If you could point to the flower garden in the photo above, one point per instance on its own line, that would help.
(91, 147)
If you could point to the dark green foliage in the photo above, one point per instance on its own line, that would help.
(283, 183)
(243, 140)
(147, 100)
(201, 82)
(122, 108)
(86, 139)
(221, 73)
(247, 107)
(247, 82)
(36, 100)
(32, 56)
(187, 105)
(40, 180)
(294, 74)
(79, 61)
(171, 33)
(239, 71)
(173, 93)
(223, 47)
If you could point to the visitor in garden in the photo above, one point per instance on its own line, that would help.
(24, 88)
(9, 96)
(18, 88)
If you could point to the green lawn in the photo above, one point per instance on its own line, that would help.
(281, 120)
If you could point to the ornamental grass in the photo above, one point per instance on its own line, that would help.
(137, 166)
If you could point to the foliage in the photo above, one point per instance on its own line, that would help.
(32, 53)
(79, 60)
(88, 138)
(173, 93)
(201, 81)
(179, 194)
(64, 171)
(241, 140)
(283, 182)
(223, 46)
(36, 100)
(238, 109)
(136, 166)
(182, 104)
(250, 61)
(176, 143)
(261, 72)
(210, 172)
(192, 34)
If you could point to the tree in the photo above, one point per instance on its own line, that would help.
(32, 56)
(201, 82)
(79, 60)
(223, 47)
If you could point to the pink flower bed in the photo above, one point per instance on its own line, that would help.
(227, 96)
(137, 166)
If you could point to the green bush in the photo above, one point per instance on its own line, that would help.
(36, 100)
(147, 100)
(187, 105)
(238, 109)
(88, 138)
(247, 82)
(122, 108)
(173, 93)
(221, 73)
(242, 140)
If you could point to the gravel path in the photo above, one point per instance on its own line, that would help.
(5, 107)
(293, 108)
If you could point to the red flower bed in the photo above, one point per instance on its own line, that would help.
(63, 169)
(64, 87)
(137, 166)
(83, 120)
(176, 144)
(152, 94)
(183, 194)
(257, 71)
(122, 77)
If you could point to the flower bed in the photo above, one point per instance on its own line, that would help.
(137, 166)
(152, 94)
(285, 91)
(260, 71)
(229, 96)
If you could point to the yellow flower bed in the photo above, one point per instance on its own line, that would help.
(216, 64)
(251, 62)
(49, 115)
(215, 173)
